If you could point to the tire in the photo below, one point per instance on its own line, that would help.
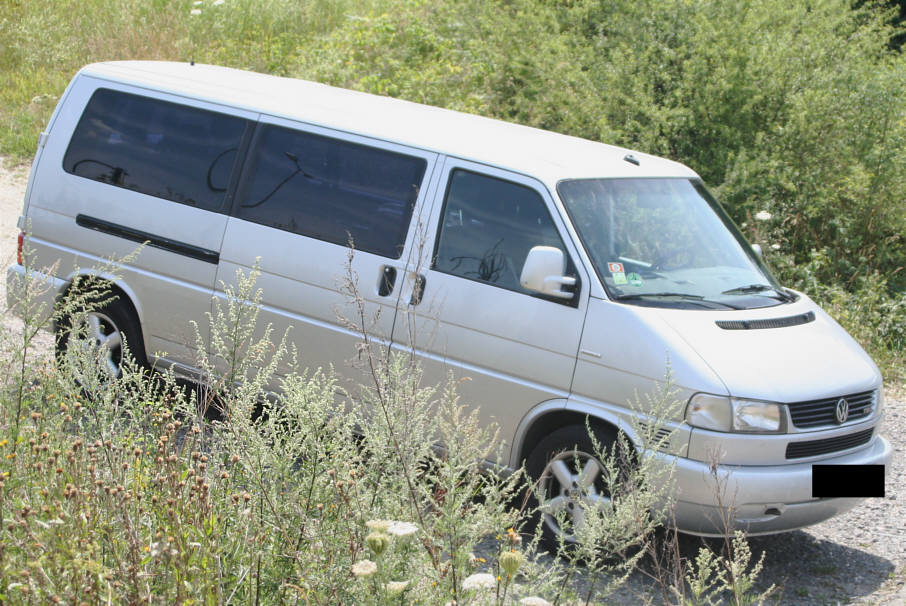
(566, 472)
(108, 326)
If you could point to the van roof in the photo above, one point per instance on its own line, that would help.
(539, 153)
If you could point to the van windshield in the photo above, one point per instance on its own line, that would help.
(665, 242)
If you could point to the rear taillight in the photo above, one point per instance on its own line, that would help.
(19, 248)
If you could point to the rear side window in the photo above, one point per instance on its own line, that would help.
(170, 151)
(330, 189)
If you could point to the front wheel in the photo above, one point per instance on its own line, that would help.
(570, 480)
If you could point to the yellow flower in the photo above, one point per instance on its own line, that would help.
(513, 537)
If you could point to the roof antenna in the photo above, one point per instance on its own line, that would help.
(631, 159)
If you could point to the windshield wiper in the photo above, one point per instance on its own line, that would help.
(700, 299)
(681, 295)
(757, 288)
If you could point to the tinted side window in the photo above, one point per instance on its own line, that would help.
(331, 190)
(489, 226)
(162, 149)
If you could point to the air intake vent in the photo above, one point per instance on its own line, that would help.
(768, 323)
(812, 448)
(660, 438)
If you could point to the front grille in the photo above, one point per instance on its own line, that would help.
(823, 412)
(768, 323)
(812, 448)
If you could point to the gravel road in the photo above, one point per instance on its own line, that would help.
(857, 558)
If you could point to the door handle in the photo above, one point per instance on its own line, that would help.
(418, 289)
(387, 280)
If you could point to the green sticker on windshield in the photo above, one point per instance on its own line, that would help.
(634, 279)
(619, 277)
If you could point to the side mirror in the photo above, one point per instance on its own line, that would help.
(757, 249)
(543, 272)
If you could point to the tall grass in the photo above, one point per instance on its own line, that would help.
(44, 42)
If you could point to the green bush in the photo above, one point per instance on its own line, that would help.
(788, 107)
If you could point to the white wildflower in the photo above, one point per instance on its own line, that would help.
(394, 588)
(364, 568)
(763, 215)
(217, 3)
(378, 525)
(775, 247)
(481, 580)
(402, 529)
(195, 11)
(534, 601)
(198, 3)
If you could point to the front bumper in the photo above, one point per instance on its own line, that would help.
(761, 499)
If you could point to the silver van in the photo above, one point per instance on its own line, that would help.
(558, 274)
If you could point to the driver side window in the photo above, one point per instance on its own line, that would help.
(488, 227)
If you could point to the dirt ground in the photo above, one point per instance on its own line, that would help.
(12, 193)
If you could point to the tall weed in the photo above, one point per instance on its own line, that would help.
(123, 490)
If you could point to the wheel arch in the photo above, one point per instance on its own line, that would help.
(121, 290)
(552, 415)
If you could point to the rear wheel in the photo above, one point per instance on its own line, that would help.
(105, 330)
(570, 480)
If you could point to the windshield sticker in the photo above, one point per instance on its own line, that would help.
(619, 277)
(634, 279)
(615, 268)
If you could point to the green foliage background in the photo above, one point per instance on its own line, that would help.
(792, 107)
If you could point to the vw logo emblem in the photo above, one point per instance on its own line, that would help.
(842, 412)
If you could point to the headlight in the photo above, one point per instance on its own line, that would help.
(749, 415)
(709, 412)
(721, 413)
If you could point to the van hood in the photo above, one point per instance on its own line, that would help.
(792, 363)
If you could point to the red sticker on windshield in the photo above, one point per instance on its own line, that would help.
(615, 268)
